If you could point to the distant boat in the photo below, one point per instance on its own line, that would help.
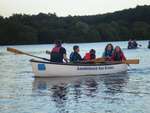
(48, 69)
(132, 44)
(149, 44)
(132, 47)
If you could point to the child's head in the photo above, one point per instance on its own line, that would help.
(76, 48)
(117, 49)
(92, 51)
(109, 47)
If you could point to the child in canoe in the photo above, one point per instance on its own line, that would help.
(118, 55)
(75, 56)
(107, 54)
(90, 55)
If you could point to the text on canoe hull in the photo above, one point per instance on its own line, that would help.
(95, 68)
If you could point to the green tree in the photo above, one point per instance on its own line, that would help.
(141, 30)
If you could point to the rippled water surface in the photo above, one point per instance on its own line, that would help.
(20, 92)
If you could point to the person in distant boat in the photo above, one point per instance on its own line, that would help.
(58, 53)
(90, 55)
(130, 44)
(75, 56)
(118, 55)
(107, 54)
(149, 44)
(135, 44)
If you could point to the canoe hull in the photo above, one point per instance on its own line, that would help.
(46, 69)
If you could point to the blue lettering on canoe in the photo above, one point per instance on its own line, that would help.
(86, 68)
(41, 67)
(95, 68)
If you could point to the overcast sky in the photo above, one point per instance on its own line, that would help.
(67, 7)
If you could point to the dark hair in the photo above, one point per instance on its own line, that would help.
(109, 45)
(75, 47)
(92, 51)
(119, 48)
(58, 43)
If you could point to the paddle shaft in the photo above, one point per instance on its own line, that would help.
(36, 56)
(128, 61)
(13, 50)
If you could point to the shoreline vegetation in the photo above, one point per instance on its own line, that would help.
(22, 29)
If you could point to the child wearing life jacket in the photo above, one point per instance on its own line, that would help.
(90, 55)
(107, 54)
(118, 55)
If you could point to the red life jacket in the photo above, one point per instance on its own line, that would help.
(87, 56)
(56, 50)
(55, 55)
(121, 57)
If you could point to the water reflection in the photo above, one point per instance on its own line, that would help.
(49, 83)
(63, 91)
(77, 92)
(115, 83)
(91, 87)
(58, 89)
(59, 96)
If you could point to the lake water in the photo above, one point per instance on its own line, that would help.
(20, 92)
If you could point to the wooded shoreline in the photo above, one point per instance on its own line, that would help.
(43, 28)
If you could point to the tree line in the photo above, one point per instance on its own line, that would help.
(45, 28)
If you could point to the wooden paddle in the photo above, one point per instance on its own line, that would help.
(102, 60)
(131, 61)
(128, 61)
(13, 50)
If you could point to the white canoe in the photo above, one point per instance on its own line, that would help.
(47, 69)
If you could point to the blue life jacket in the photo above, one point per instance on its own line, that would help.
(107, 54)
(74, 57)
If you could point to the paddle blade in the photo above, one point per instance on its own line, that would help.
(13, 50)
(131, 61)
